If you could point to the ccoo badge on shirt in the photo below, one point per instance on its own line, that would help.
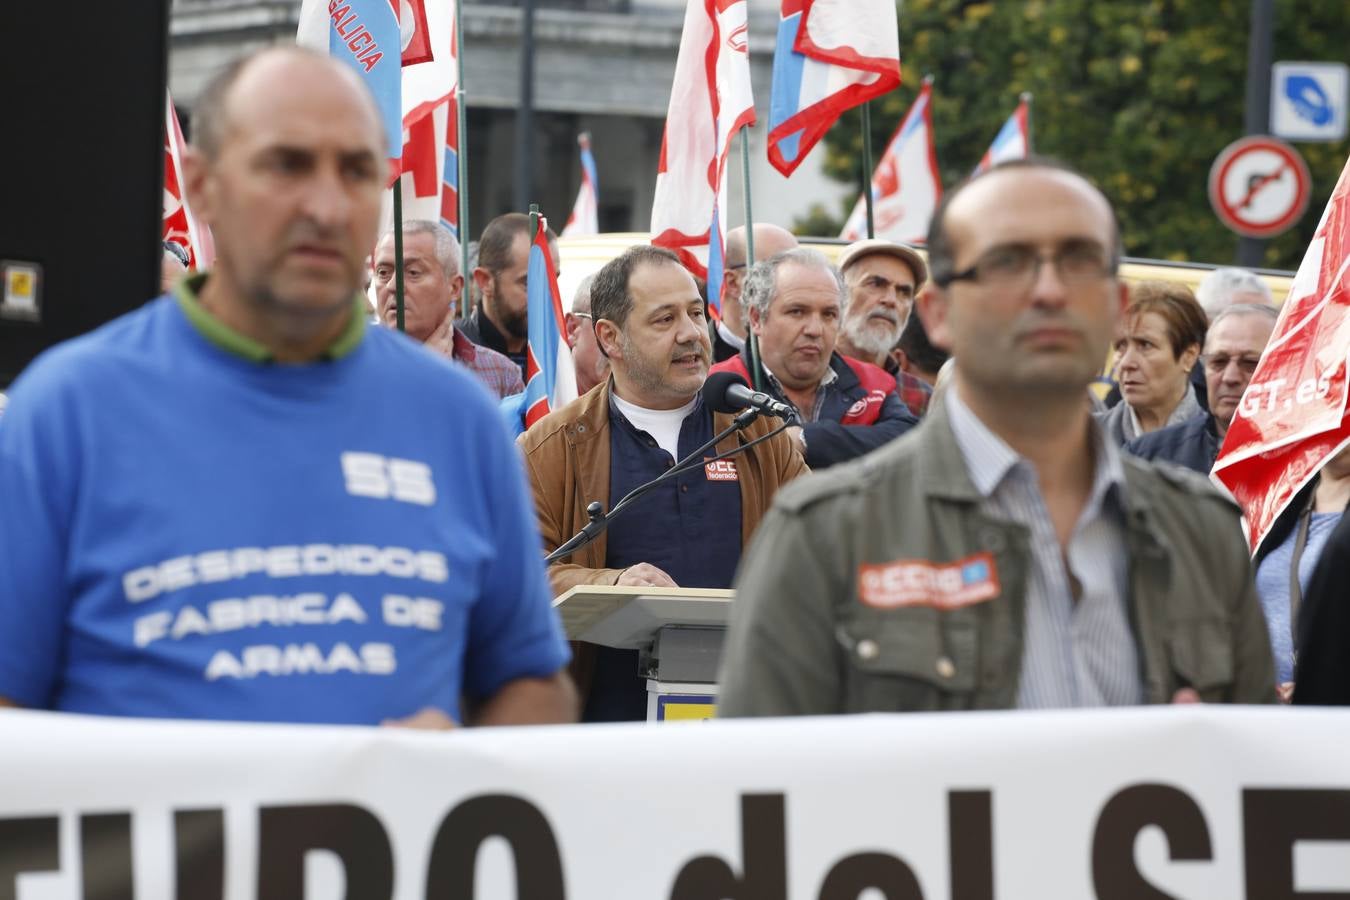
(721, 470)
(944, 586)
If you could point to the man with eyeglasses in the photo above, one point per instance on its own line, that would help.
(1003, 554)
(1233, 346)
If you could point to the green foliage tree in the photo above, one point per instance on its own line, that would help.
(1139, 94)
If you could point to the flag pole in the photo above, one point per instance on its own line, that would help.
(756, 371)
(867, 166)
(462, 154)
(1026, 97)
(398, 250)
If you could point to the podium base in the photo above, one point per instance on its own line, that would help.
(680, 701)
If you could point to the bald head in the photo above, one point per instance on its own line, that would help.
(964, 205)
(1023, 288)
(770, 240)
(242, 81)
(287, 170)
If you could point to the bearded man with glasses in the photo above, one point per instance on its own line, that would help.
(1003, 554)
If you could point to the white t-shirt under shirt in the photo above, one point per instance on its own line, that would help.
(662, 424)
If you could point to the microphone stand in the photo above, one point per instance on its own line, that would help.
(599, 519)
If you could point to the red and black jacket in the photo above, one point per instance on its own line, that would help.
(861, 412)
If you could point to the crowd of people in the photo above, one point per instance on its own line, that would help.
(254, 499)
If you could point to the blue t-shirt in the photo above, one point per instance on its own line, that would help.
(186, 533)
(1272, 585)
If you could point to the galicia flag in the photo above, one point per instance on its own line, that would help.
(585, 218)
(365, 35)
(429, 163)
(1013, 140)
(906, 186)
(710, 101)
(831, 55)
(547, 355)
(1292, 417)
(180, 225)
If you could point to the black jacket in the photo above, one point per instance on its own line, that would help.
(1193, 444)
(1322, 676)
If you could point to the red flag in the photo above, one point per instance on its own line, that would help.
(180, 225)
(413, 32)
(906, 187)
(831, 56)
(1292, 416)
(710, 100)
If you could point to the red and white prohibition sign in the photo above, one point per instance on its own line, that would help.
(1259, 186)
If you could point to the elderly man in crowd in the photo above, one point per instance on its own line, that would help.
(239, 502)
(1237, 336)
(432, 287)
(501, 321)
(1004, 554)
(1222, 288)
(589, 363)
(649, 322)
(847, 407)
(883, 278)
(729, 334)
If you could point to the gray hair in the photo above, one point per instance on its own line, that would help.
(761, 282)
(581, 299)
(447, 248)
(1216, 289)
(1244, 309)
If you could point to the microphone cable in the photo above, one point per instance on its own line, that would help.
(599, 520)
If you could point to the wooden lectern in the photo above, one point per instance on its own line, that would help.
(678, 632)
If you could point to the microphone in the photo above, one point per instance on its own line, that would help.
(727, 392)
(718, 392)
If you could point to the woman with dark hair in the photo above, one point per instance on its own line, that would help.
(1161, 336)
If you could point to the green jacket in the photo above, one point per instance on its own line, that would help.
(801, 642)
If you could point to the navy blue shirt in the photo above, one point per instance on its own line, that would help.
(689, 528)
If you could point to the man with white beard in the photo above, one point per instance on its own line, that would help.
(882, 278)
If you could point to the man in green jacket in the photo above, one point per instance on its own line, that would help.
(1003, 554)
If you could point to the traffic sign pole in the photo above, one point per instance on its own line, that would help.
(1260, 55)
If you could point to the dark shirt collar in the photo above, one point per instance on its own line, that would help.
(489, 334)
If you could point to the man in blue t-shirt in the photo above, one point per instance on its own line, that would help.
(234, 503)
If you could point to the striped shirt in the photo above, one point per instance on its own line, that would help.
(1075, 652)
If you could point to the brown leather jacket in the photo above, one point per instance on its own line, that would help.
(567, 457)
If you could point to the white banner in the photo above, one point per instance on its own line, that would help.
(1193, 802)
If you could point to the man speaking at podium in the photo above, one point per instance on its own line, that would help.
(233, 503)
(625, 432)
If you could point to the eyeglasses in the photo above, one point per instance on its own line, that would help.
(1017, 266)
(1219, 363)
(581, 315)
